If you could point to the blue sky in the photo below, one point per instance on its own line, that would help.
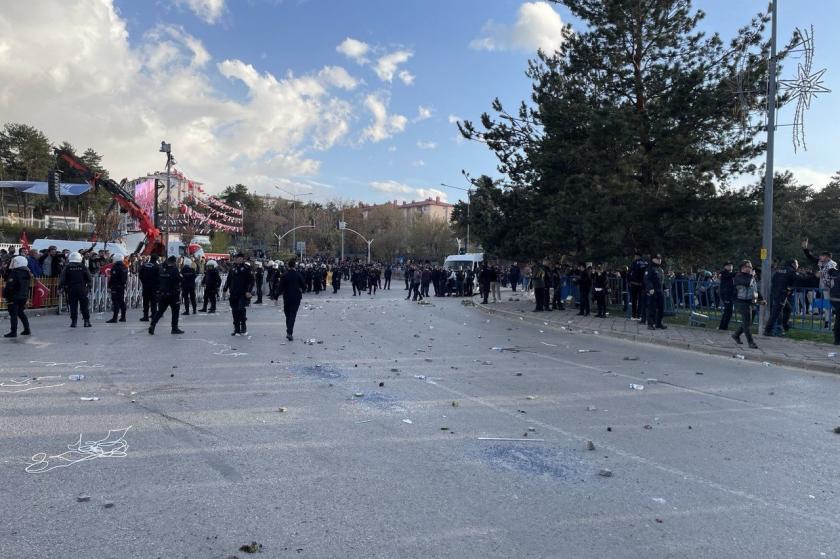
(257, 91)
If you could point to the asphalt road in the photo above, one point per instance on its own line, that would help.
(738, 460)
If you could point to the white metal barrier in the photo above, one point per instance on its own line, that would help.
(100, 296)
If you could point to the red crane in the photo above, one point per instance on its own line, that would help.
(152, 244)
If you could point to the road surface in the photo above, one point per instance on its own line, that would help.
(379, 449)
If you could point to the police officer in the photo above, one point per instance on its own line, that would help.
(116, 284)
(259, 278)
(291, 288)
(240, 283)
(75, 280)
(188, 277)
(16, 292)
(727, 294)
(655, 289)
(211, 281)
(387, 274)
(637, 285)
(149, 279)
(169, 295)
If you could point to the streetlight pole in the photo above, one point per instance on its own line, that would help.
(369, 242)
(767, 237)
(167, 149)
(469, 203)
(294, 213)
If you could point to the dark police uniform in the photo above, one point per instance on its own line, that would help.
(239, 283)
(76, 280)
(188, 277)
(149, 280)
(168, 296)
(211, 281)
(116, 284)
(291, 288)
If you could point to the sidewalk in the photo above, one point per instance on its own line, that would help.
(710, 340)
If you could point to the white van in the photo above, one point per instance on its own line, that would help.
(466, 261)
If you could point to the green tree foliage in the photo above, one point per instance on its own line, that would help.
(630, 139)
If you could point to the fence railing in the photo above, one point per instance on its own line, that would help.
(806, 308)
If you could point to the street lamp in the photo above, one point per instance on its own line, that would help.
(343, 226)
(294, 213)
(469, 194)
(167, 149)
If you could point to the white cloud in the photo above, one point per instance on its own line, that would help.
(418, 163)
(406, 77)
(387, 66)
(96, 89)
(354, 49)
(392, 149)
(431, 193)
(426, 145)
(384, 125)
(538, 26)
(808, 175)
(390, 187)
(208, 10)
(423, 113)
(454, 119)
(338, 77)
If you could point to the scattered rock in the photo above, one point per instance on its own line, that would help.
(837, 430)
(605, 472)
(172, 374)
(609, 429)
(108, 505)
(697, 373)
(631, 358)
(252, 547)
(381, 384)
(359, 394)
(530, 397)
(444, 428)
(648, 427)
(590, 445)
(455, 403)
(591, 408)
(83, 498)
(659, 521)
(282, 409)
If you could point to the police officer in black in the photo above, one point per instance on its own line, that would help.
(636, 278)
(655, 289)
(188, 277)
(169, 295)
(149, 276)
(16, 291)
(116, 284)
(211, 281)
(75, 280)
(291, 288)
(727, 294)
(388, 272)
(240, 283)
(259, 278)
(782, 283)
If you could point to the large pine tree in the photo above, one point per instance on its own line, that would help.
(630, 137)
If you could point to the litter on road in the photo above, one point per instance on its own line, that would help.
(89, 398)
(510, 440)
(637, 386)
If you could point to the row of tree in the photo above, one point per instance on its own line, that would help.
(635, 132)
(26, 154)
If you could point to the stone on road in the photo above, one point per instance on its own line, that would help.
(361, 447)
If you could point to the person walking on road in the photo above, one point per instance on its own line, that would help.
(240, 283)
(211, 281)
(746, 296)
(16, 291)
(116, 284)
(149, 276)
(169, 295)
(188, 277)
(727, 294)
(75, 280)
(292, 287)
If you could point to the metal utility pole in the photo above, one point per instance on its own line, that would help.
(342, 233)
(767, 238)
(294, 214)
(167, 149)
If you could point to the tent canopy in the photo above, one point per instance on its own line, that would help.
(37, 187)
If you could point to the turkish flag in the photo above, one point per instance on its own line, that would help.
(24, 240)
(40, 293)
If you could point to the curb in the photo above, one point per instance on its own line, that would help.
(697, 348)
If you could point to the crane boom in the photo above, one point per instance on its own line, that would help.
(152, 244)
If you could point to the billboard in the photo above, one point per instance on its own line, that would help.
(144, 193)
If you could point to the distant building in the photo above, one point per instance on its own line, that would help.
(432, 209)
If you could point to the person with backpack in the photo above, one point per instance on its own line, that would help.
(746, 296)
